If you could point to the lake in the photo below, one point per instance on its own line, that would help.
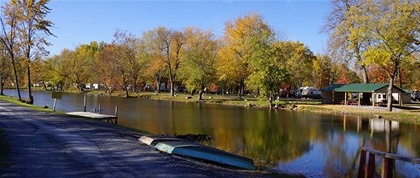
(312, 144)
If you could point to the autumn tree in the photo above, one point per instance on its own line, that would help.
(120, 60)
(107, 68)
(325, 71)
(38, 75)
(412, 72)
(393, 28)
(155, 67)
(238, 48)
(345, 44)
(165, 45)
(346, 76)
(9, 38)
(198, 58)
(5, 66)
(299, 61)
(171, 42)
(32, 27)
(56, 70)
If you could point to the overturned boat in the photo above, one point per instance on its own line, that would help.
(182, 147)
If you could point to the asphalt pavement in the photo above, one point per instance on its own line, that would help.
(49, 145)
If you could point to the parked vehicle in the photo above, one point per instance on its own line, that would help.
(309, 92)
(148, 87)
(181, 88)
(415, 95)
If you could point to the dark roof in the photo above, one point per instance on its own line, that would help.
(332, 87)
(363, 88)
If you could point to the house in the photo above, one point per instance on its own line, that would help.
(335, 94)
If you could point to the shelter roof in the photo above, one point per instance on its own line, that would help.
(366, 88)
(331, 87)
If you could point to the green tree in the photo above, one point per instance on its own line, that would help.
(199, 56)
(268, 65)
(56, 70)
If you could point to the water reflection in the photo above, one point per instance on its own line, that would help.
(287, 141)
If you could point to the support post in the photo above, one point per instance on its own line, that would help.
(362, 164)
(84, 103)
(387, 168)
(371, 165)
(55, 102)
(345, 98)
(116, 114)
(373, 99)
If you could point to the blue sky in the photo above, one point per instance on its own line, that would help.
(82, 21)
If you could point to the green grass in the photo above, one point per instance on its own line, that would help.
(20, 103)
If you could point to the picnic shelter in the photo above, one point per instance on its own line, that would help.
(366, 93)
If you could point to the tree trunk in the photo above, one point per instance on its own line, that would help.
(125, 87)
(270, 100)
(389, 94)
(157, 81)
(2, 86)
(31, 98)
(171, 80)
(364, 74)
(240, 90)
(16, 79)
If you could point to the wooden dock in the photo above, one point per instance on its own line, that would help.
(110, 118)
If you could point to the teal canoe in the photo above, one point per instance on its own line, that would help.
(203, 152)
(182, 147)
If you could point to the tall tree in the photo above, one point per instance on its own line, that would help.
(155, 65)
(299, 59)
(199, 56)
(33, 26)
(237, 52)
(325, 71)
(166, 45)
(120, 59)
(267, 63)
(341, 40)
(107, 68)
(393, 27)
(9, 38)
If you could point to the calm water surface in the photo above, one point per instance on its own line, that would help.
(313, 144)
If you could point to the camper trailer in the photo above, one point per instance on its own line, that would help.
(309, 92)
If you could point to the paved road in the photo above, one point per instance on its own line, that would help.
(48, 145)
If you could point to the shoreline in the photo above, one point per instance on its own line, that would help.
(409, 113)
